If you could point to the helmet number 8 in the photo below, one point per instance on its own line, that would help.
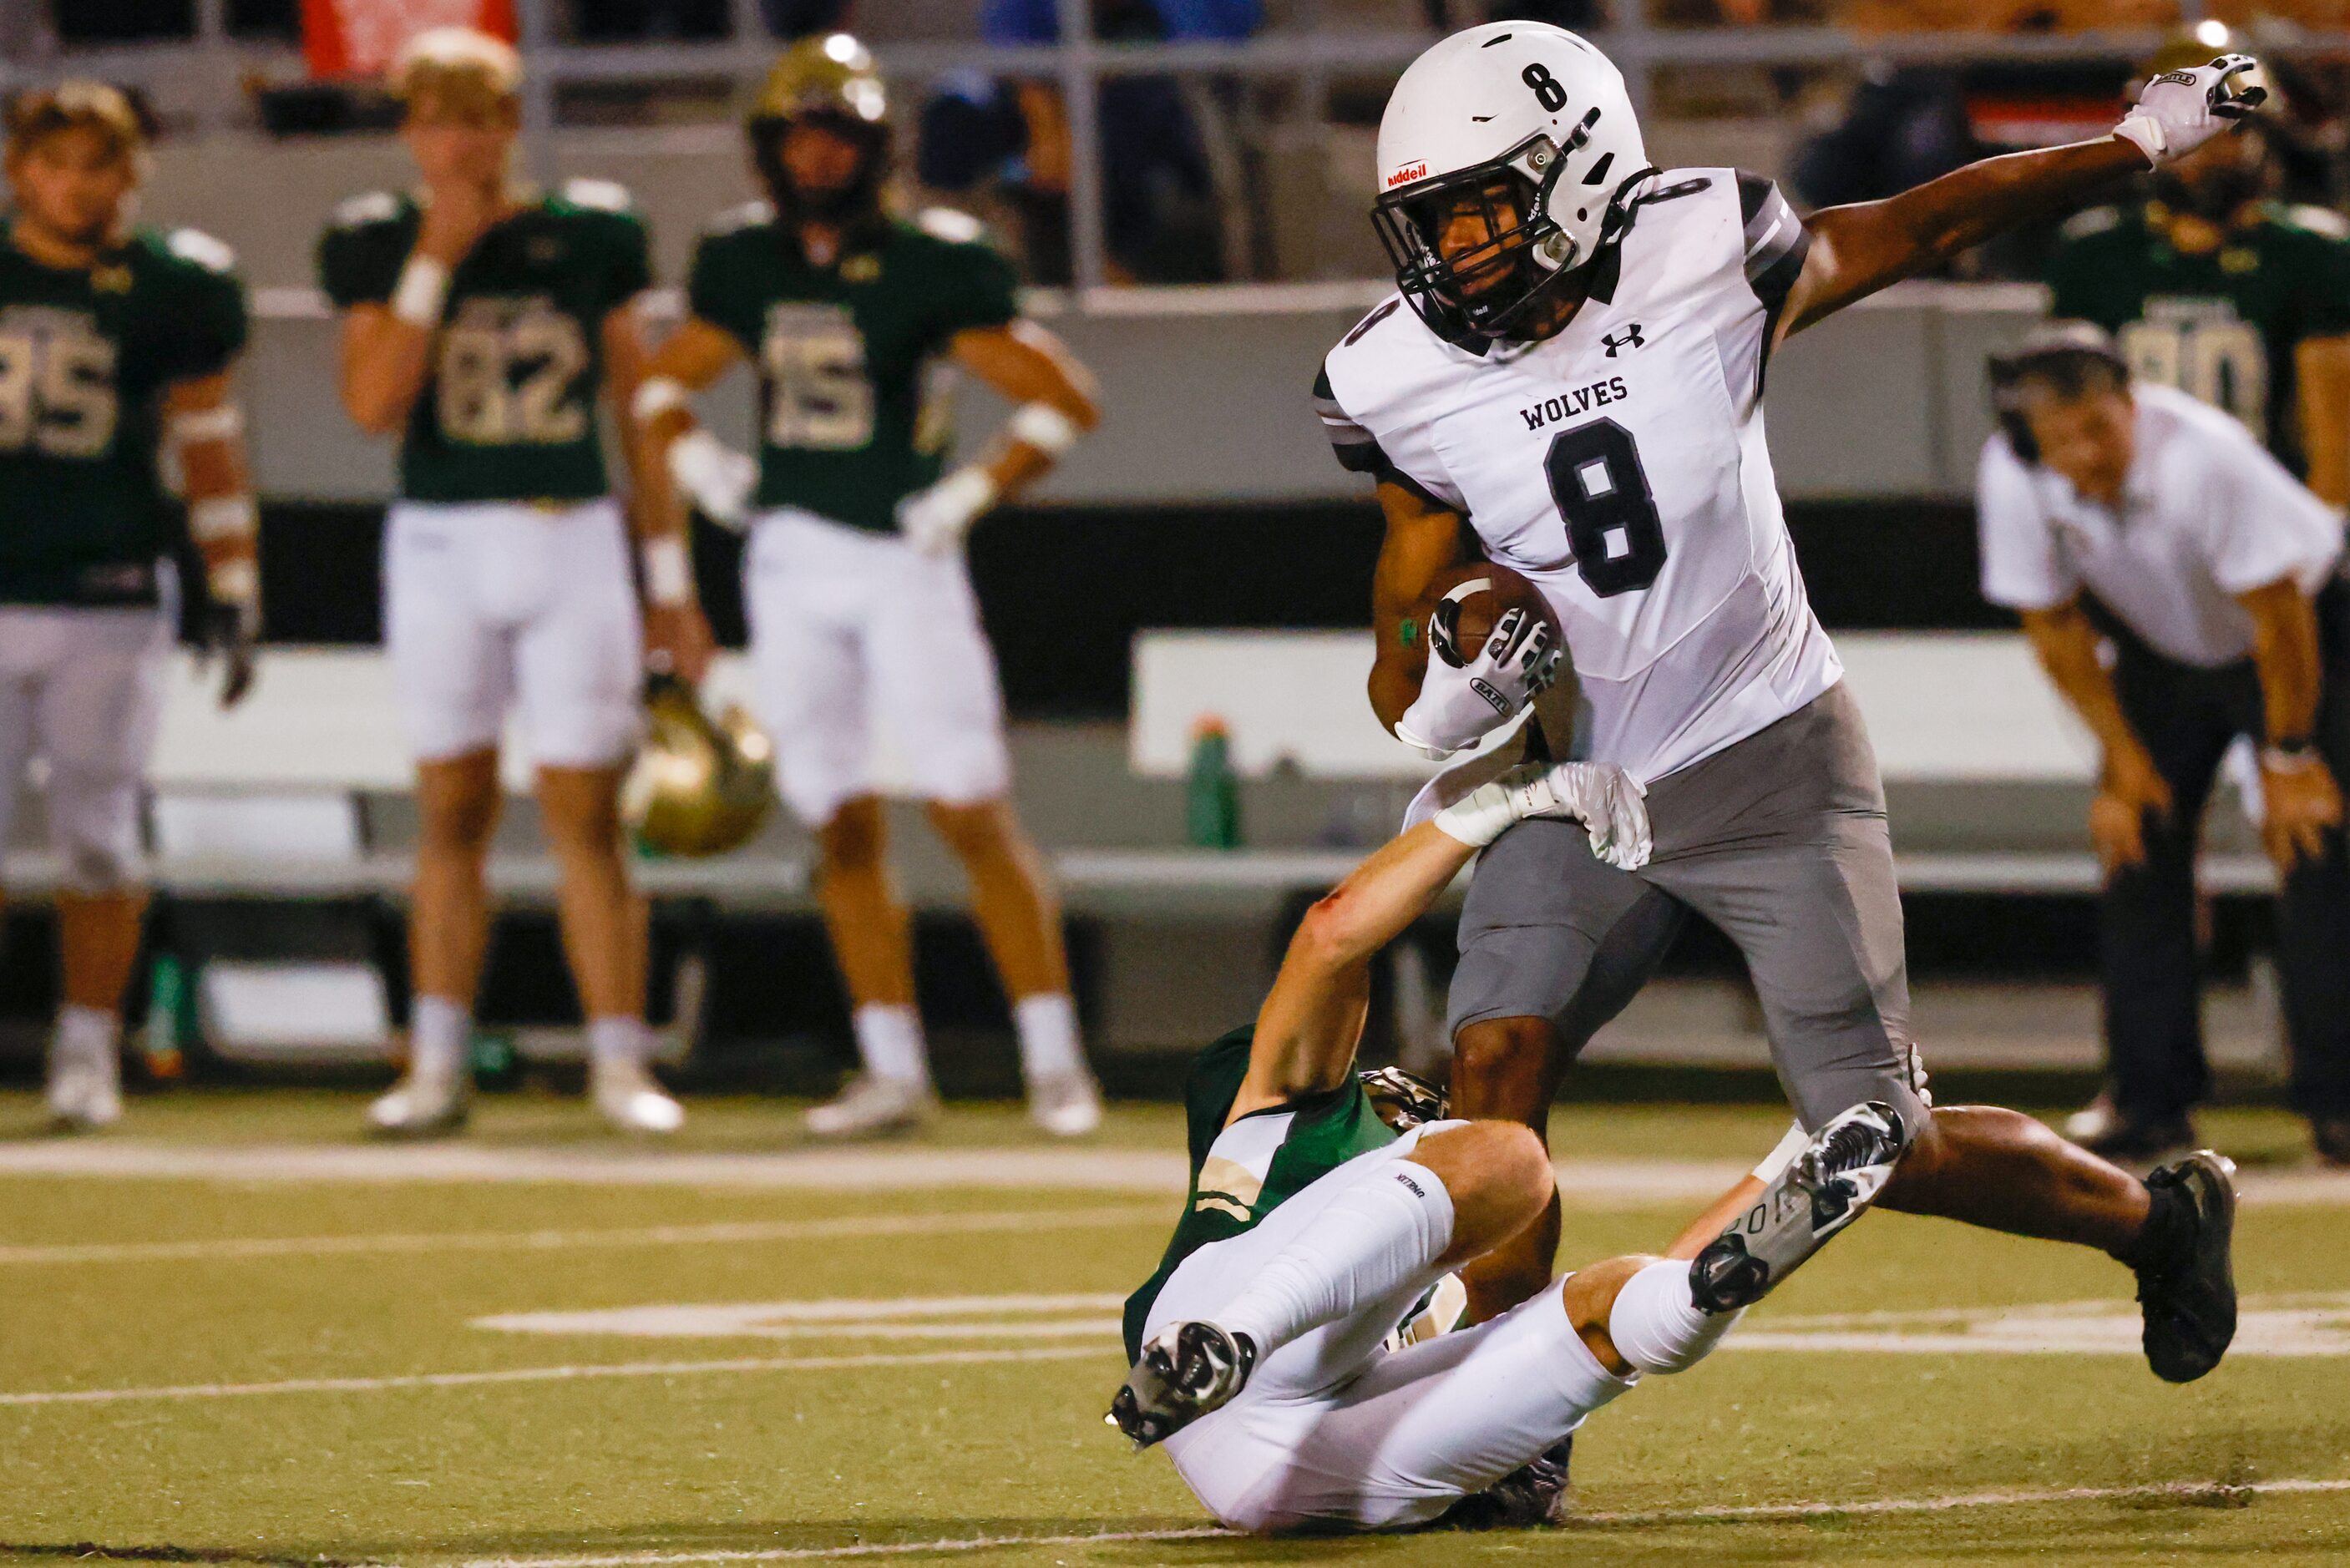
(1610, 513)
(1548, 90)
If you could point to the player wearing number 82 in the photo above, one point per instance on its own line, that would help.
(480, 322)
(1575, 369)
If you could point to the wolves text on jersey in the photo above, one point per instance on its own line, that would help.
(1568, 404)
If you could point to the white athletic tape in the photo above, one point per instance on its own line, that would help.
(655, 395)
(1043, 427)
(222, 422)
(669, 571)
(223, 517)
(236, 582)
(422, 290)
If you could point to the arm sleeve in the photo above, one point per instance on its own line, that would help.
(357, 268)
(709, 297)
(1360, 451)
(2263, 525)
(2021, 569)
(983, 290)
(1775, 241)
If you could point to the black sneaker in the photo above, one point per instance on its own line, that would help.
(2190, 1297)
(1536, 1493)
(1823, 1189)
(1187, 1370)
(2139, 1139)
(2333, 1137)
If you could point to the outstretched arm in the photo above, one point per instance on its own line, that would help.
(1860, 249)
(1422, 539)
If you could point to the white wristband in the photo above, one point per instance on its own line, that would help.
(236, 582)
(656, 396)
(222, 422)
(223, 517)
(422, 290)
(2144, 132)
(668, 572)
(1782, 1155)
(1043, 427)
(1479, 817)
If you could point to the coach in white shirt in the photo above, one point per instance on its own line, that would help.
(2205, 564)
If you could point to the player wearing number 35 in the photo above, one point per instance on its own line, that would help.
(480, 322)
(873, 667)
(115, 345)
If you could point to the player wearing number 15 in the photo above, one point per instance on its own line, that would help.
(481, 322)
(863, 624)
(115, 344)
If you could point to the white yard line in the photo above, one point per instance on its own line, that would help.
(849, 1228)
(549, 1375)
(2182, 1492)
(1587, 1183)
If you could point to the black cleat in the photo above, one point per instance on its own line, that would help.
(1825, 1188)
(2190, 1297)
(2331, 1135)
(1536, 1493)
(1187, 1370)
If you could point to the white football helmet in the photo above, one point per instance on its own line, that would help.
(1520, 113)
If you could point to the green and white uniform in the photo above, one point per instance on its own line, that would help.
(506, 570)
(2221, 326)
(88, 600)
(1334, 1428)
(875, 672)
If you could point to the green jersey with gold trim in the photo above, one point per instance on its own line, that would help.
(85, 353)
(2222, 324)
(854, 405)
(508, 410)
(1243, 1172)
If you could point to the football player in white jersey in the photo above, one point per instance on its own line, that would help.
(1574, 368)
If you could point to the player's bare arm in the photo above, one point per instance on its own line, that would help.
(204, 423)
(387, 349)
(2129, 786)
(2321, 375)
(2301, 798)
(673, 442)
(1422, 539)
(677, 634)
(1858, 250)
(1052, 407)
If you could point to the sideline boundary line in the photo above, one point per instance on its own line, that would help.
(850, 1227)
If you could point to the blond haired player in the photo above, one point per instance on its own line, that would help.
(116, 343)
(863, 624)
(481, 323)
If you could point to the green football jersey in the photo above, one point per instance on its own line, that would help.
(508, 413)
(1306, 1139)
(85, 356)
(854, 404)
(2220, 326)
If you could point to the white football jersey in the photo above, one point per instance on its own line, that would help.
(1621, 466)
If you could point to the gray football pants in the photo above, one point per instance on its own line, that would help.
(1780, 841)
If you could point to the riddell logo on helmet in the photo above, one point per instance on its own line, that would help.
(1407, 174)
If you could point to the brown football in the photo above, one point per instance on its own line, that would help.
(1505, 590)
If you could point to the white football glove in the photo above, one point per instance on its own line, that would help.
(934, 520)
(714, 476)
(1606, 800)
(1462, 702)
(2178, 112)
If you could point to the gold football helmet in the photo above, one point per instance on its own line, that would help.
(829, 81)
(699, 785)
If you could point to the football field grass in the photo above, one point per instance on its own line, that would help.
(233, 1332)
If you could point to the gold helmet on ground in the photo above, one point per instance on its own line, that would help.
(699, 785)
(461, 70)
(829, 81)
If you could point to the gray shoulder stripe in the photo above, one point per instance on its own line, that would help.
(1781, 235)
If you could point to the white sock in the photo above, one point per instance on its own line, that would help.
(440, 1031)
(90, 1036)
(620, 1042)
(1383, 1232)
(1658, 1327)
(890, 1039)
(1048, 1023)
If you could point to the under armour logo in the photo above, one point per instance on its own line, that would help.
(1630, 339)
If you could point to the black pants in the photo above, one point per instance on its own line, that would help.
(2154, 1029)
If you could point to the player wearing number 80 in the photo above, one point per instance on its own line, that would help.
(1579, 377)
(481, 323)
(863, 624)
(115, 343)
